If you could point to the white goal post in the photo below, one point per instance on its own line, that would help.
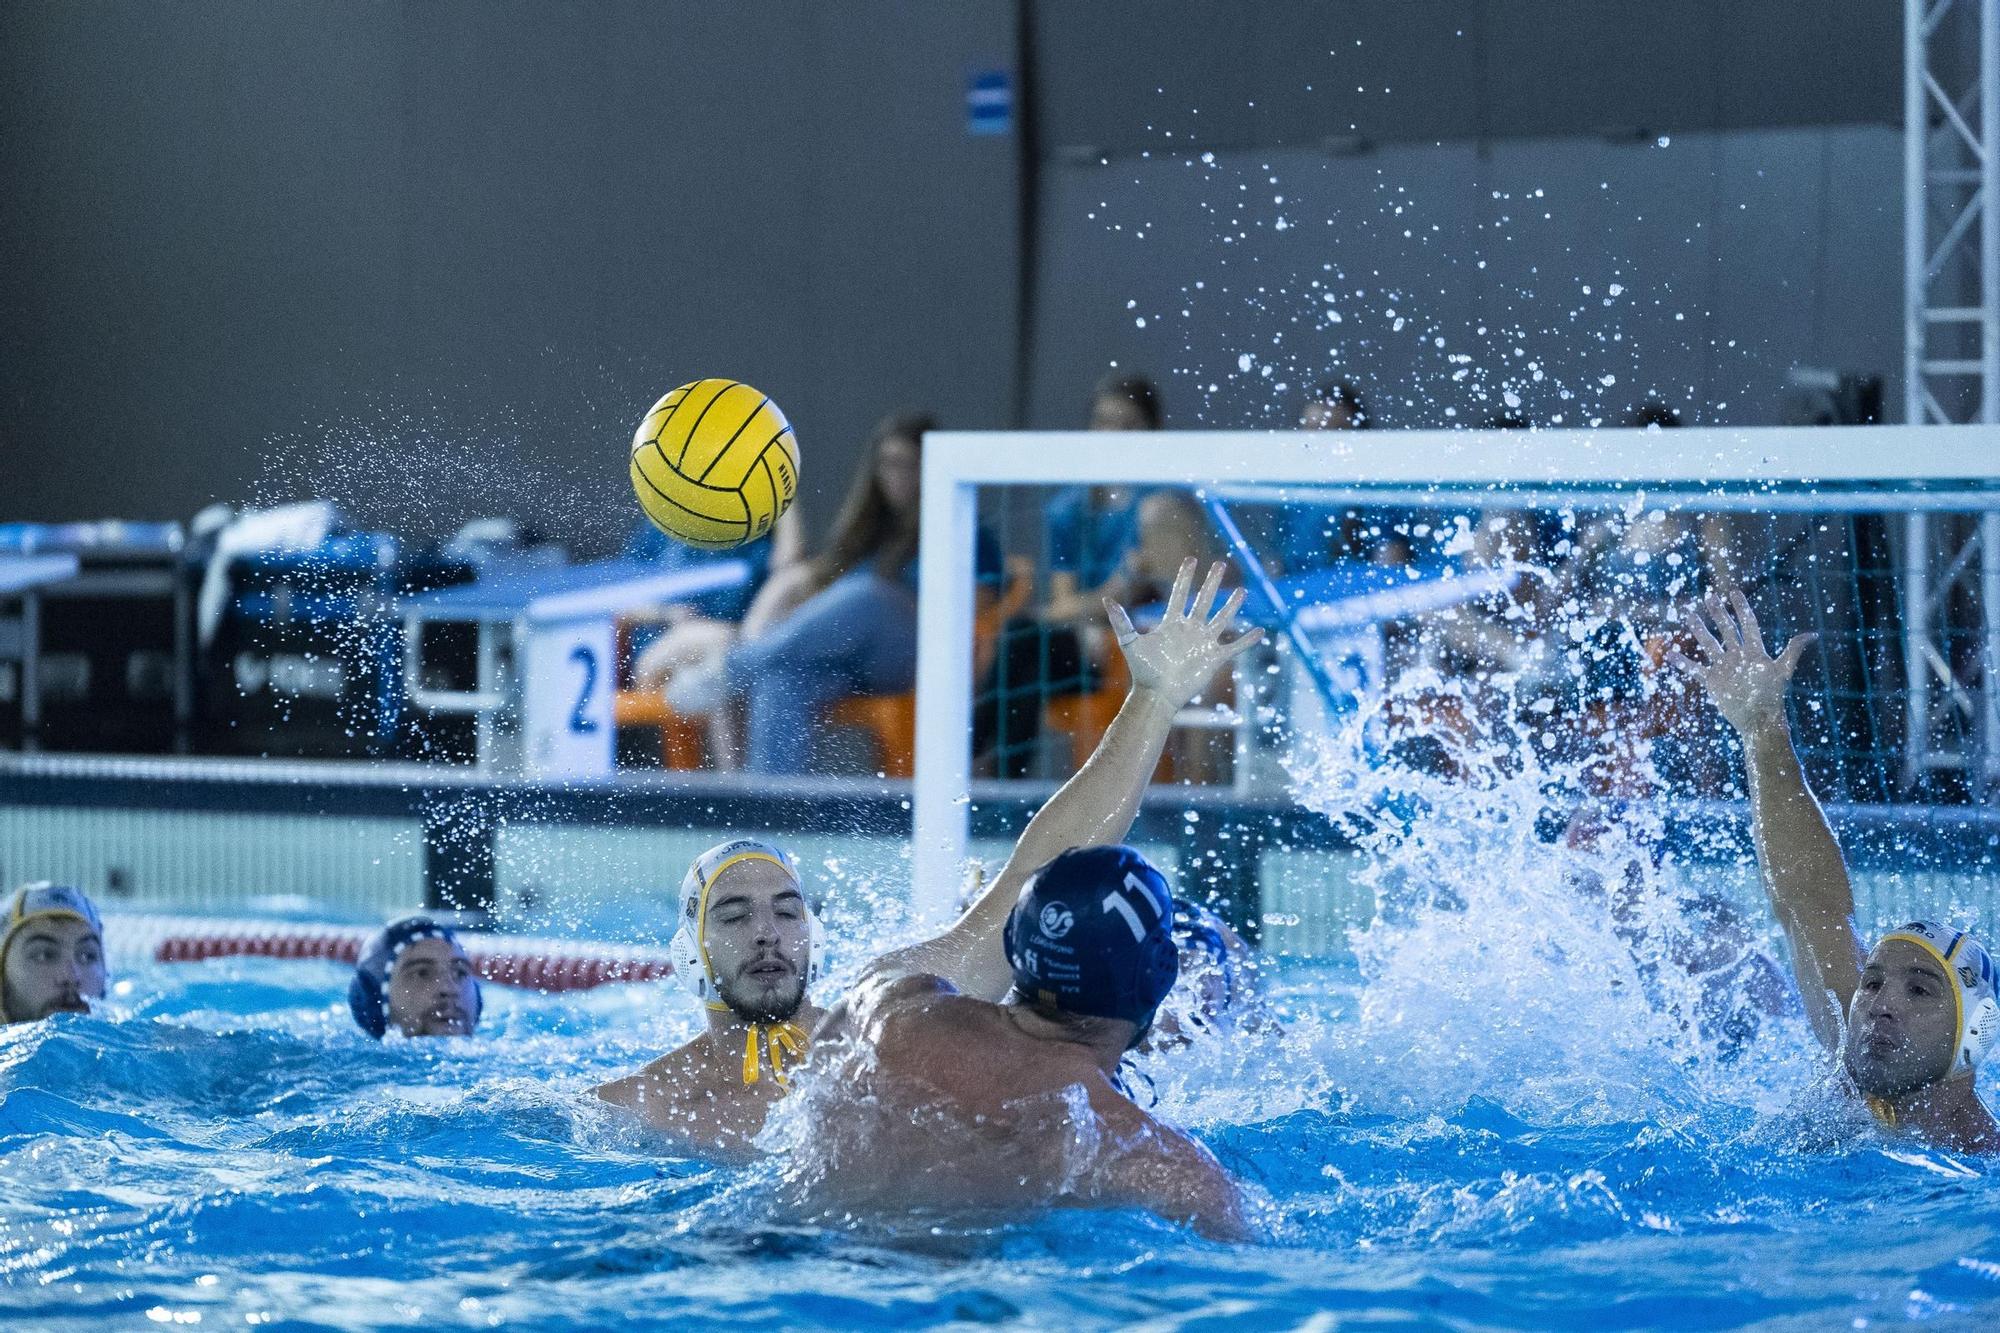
(1912, 470)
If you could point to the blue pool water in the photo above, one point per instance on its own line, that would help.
(224, 1150)
(1513, 1107)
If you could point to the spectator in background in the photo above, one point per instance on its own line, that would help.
(1645, 559)
(1315, 536)
(842, 623)
(1504, 632)
(1708, 539)
(781, 549)
(670, 638)
(1089, 530)
(51, 953)
(1121, 542)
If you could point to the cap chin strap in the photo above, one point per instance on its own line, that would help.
(782, 1042)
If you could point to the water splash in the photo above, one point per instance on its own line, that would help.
(1587, 974)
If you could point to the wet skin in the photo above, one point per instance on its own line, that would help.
(431, 991)
(925, 1098)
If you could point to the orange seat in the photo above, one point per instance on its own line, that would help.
(683, 740)
(1086, 717)
(891, 719)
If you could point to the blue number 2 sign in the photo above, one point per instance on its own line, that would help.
(580, 720)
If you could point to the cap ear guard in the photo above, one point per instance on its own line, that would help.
(369, 1005)
(689, 964)
(1982, 1028)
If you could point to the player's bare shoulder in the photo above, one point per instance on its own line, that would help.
(658, 1092)
(908, 1022)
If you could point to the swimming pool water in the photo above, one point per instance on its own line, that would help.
(222, 1149)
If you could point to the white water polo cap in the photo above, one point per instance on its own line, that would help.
(690, 943)
(1968, 969)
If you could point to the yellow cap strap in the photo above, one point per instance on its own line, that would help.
(780, 1042)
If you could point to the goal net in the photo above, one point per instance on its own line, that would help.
(1441, 597)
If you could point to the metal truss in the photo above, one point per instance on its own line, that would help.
(1951, 248)
(1951, 649)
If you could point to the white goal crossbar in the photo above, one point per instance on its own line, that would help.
(1947, 466)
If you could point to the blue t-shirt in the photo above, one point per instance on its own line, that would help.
(1091, 543)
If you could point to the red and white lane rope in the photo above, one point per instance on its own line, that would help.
(529, 962)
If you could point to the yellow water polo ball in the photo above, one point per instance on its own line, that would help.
(714, 464)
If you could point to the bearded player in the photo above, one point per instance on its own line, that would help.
(749, 940)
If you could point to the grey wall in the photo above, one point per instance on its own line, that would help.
(435, 259)
(1407, 142)
(1117, 75)
(1463, 276)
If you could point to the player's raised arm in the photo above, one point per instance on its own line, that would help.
(1169, 664)
(1803, 871)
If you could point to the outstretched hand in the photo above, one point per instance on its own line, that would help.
(1739, 673)
(1181, 654)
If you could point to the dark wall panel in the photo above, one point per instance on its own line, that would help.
(1454, 284)
(1119, 74)
(434, 259)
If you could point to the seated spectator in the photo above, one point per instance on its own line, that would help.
(51, 955)
(1089, 530)
(842, 623)
(1504, 633)
(768, 556)
(1121, 542)
(413, 976)
(666, 639)
(1713, 535)
(1313, 536)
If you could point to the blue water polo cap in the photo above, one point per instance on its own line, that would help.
(368, 992)
(1093, 934)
